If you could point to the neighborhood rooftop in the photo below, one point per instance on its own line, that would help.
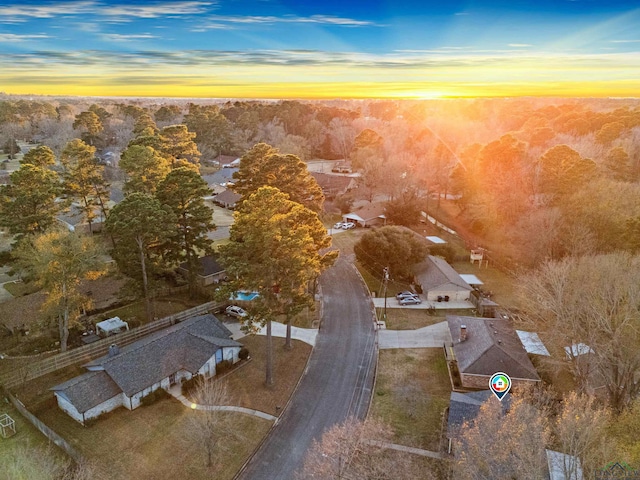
(184, 346)
(435, 271)
(208, 265)
(491, 346)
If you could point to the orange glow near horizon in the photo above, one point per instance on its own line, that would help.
(333, 90)
(465, 77)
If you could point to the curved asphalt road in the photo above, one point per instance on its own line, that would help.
(338, 381)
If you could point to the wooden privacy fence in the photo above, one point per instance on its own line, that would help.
(97, 349)
(46, 431)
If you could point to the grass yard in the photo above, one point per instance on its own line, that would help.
(18, 289)
(135, 312)
(345, 240)
(155, 442)
(27, 436)
(502, 285)
(374, 282)
(412, 391)
(246, 386)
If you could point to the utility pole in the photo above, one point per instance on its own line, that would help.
(385, 280)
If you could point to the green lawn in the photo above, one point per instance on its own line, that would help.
(412, 391)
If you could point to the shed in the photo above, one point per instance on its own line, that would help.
(563, 467)
(577, 349)
(111, 326)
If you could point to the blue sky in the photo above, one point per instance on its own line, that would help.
(265, 48)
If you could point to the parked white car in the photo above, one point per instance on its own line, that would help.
(348, 225)
(406, 294)
(235, 311)
(338, 225)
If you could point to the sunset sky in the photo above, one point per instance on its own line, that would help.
(321, 49)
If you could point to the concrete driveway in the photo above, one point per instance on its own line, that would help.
(393, 303)
(307, 335)
(338, 382)
(427, 337)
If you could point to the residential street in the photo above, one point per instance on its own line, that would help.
(338, 382)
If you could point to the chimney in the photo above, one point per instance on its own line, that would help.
(463, 333)
(113, 350)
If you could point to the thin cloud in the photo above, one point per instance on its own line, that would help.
(271, 19)
(120, 37)
(520, 45)
(305, 58)
(11, 37)
(625, 41)
(46, 11)
(13, 13)
(155, 10)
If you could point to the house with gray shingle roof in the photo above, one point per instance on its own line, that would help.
(333, 185)
(438, 279)
(484, 346)
(464, 408)
(227, 199)
(368, 216)
(160, 360)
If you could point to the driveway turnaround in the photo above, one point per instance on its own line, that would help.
(306, 335)
(432, 336)
(338, 382)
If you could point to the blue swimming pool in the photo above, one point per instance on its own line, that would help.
(245, 296)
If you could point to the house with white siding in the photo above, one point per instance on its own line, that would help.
(160, 360)
(440, 282)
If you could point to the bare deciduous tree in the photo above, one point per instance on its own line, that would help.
(211, 428)
(355, 450)
(503, 446)
(591, 300)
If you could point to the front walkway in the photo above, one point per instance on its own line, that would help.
(433, 336)
(306, 335)
(176, 392)
(402, 448)
(378, 302)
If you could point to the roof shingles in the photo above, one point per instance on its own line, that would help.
(185, 346)
(435, 272)
(491, 346)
